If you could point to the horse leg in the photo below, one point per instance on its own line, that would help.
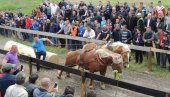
(91, 83)
(102, 84)
(59, 75)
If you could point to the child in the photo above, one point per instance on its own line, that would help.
(103, 22)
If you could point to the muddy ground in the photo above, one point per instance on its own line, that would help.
(138, 78)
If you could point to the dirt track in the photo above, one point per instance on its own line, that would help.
(147, 80)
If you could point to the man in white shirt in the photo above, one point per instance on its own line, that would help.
(89, 33)
(17, 90)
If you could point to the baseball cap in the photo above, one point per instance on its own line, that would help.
(8, 66)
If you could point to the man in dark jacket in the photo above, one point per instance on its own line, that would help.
(31, 84)
(117, 33)
(6, 79)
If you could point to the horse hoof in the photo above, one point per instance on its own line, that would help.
(103, 87)
(59, 77)
(91, 87)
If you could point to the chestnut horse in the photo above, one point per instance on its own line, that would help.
(116, 47)
(94, 61)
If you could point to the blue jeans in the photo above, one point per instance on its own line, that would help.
(30, 37)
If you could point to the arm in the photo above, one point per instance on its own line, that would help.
(107, 37)
(130, 36)
(60, 30)
(98, 36)
(93, 34)
(46, 39)
(85, 34)
(152, 38)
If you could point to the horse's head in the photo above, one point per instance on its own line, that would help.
(124, 50)
(117, 67)
(125, 56)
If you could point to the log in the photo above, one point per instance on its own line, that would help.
(28, 51)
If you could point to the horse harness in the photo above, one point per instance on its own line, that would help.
(97, 58)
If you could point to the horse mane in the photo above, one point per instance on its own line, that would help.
(115, 45)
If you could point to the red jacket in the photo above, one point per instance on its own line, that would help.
(28, 23)
(158, 9)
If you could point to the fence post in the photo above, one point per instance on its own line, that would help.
(66, 44)
(150, 61)
(83, 84)
(30, 65)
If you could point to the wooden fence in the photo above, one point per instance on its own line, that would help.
(84, 75)
(100, 42)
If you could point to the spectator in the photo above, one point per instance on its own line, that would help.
(148, 37)
(20, 14)
(31, 84)
(12, 57)
(140, 22)
(97, 29)
(68, 92)
(39, 48)
(7, 78)
(116, 35)
(126, 35)
(158, 40)
(44, 90)
(35, 24)
(65, 29)
(104, 34)
(165, 46)
(150, 9)
(103, 22)
(68, 13)
(90, 6)
(160, 8)
(54, 28)
(137, 40)
(28, 25)
(74, 32)
(167, 22)
(91, 94)
(89, 33)
(131, 22)
(149, 22)
(17, 90)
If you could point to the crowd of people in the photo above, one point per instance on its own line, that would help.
(139, 25)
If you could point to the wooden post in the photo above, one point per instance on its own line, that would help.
(83, 85)
(149, 61)
(30, 66)
(66, 44)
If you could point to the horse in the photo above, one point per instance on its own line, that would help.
(116, 47)
(93, 61)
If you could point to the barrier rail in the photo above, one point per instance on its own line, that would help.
(84, 75)
(134, 47)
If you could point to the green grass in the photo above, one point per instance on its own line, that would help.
(29, 5)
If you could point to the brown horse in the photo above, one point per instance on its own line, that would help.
(94, 61)
(113, 47)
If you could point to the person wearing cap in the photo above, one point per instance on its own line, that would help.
(140, 22)
(17, 90)
(7, 78)
(12, 57)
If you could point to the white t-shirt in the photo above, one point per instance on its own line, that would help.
(16, 91)
(90, 34)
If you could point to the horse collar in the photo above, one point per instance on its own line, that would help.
(99, 60)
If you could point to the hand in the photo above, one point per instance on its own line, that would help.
(168, 46)
(54, 90)
(125, 41)
(145, 40)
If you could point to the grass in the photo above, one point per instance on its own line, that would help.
(29, 5)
